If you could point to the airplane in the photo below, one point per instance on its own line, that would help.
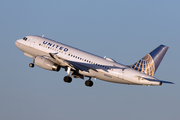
(51, 55)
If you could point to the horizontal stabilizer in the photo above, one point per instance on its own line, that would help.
(156, 80)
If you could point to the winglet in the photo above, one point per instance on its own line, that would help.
(51, 54)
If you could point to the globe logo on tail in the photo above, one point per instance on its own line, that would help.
(149, 63)
(145, 65)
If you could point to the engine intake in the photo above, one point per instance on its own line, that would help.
(46, 64)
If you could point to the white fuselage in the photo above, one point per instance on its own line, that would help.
(99, 67)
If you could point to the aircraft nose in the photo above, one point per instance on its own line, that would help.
(17, 43)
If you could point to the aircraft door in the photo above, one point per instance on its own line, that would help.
(121, 73)
(32, 42)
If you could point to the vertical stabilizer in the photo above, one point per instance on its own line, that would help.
(149, 63)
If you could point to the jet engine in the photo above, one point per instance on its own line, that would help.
(46, 64)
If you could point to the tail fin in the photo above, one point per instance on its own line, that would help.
(149, 63)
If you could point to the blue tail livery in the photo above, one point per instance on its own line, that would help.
(149, 63)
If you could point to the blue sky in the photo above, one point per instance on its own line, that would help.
(123, 30)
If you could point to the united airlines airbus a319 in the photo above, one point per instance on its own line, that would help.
(52, 55)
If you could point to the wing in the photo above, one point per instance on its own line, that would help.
(83, 67)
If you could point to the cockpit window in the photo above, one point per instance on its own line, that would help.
(25, 38)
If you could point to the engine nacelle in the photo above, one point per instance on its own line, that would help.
(46, 64)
